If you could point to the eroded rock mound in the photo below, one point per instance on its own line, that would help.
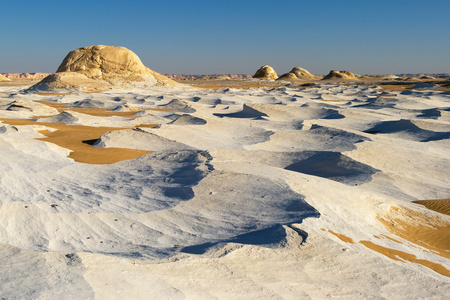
(101, 67)
(303, 73)
(340, 75)
(288, 77)
(298, 73)
(266, 72)
(4, 78)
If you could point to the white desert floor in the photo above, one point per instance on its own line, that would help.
(264, 193)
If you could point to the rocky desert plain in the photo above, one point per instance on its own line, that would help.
(117, 182)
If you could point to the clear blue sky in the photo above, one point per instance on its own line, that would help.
(233, 36)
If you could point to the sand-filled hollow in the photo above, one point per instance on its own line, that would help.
(342, 237)
(79, 139)
(403, 256)
(427, 231)
(97, 111)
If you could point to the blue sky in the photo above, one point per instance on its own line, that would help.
(233, 36)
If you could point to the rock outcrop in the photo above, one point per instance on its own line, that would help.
(303, 73)
(340, 75)
(298, 73)
(288, 77)
(101, 67)
(266, 72)
(4, 78)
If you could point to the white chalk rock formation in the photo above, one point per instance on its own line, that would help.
(288, 77)
(340, 75)
(303, 73)
(298, 73)
(266, 72)
(4, 78)
(101, 67)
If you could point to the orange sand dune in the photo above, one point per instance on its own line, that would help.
(440, 205)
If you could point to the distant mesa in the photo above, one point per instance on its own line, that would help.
(97, 68)
(266, 72)
(26, 76)
(340, 75)
(298, 73)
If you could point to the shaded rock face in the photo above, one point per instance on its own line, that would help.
(298, 73)
(340, 75)
(266, 72)
(100, 67)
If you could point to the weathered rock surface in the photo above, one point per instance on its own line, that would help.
(4, 78)
(101, 67)
(288, 77)
(303, 73)
(298, 73)
(340, 75)
(266, 72)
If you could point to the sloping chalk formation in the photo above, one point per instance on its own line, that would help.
(100, 67)
(266, 72)
(298, 73)
(340, 75)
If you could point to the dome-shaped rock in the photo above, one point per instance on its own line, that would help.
(288, 77)
(266, 72)
(303, 73)
(298, 73)
(101, 67)
(340, 75)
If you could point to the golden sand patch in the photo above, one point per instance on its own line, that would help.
(403, 256)
(387, 237)
(92, 111)
(428, 231)
(342, 237)
(440, 205)
(394, 254)
(79, 139)
(99, 111)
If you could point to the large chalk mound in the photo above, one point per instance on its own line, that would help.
(340, 75)
(266, 72)
(101, 67)
(298, 73)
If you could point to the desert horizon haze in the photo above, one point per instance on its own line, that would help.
(200, 37)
